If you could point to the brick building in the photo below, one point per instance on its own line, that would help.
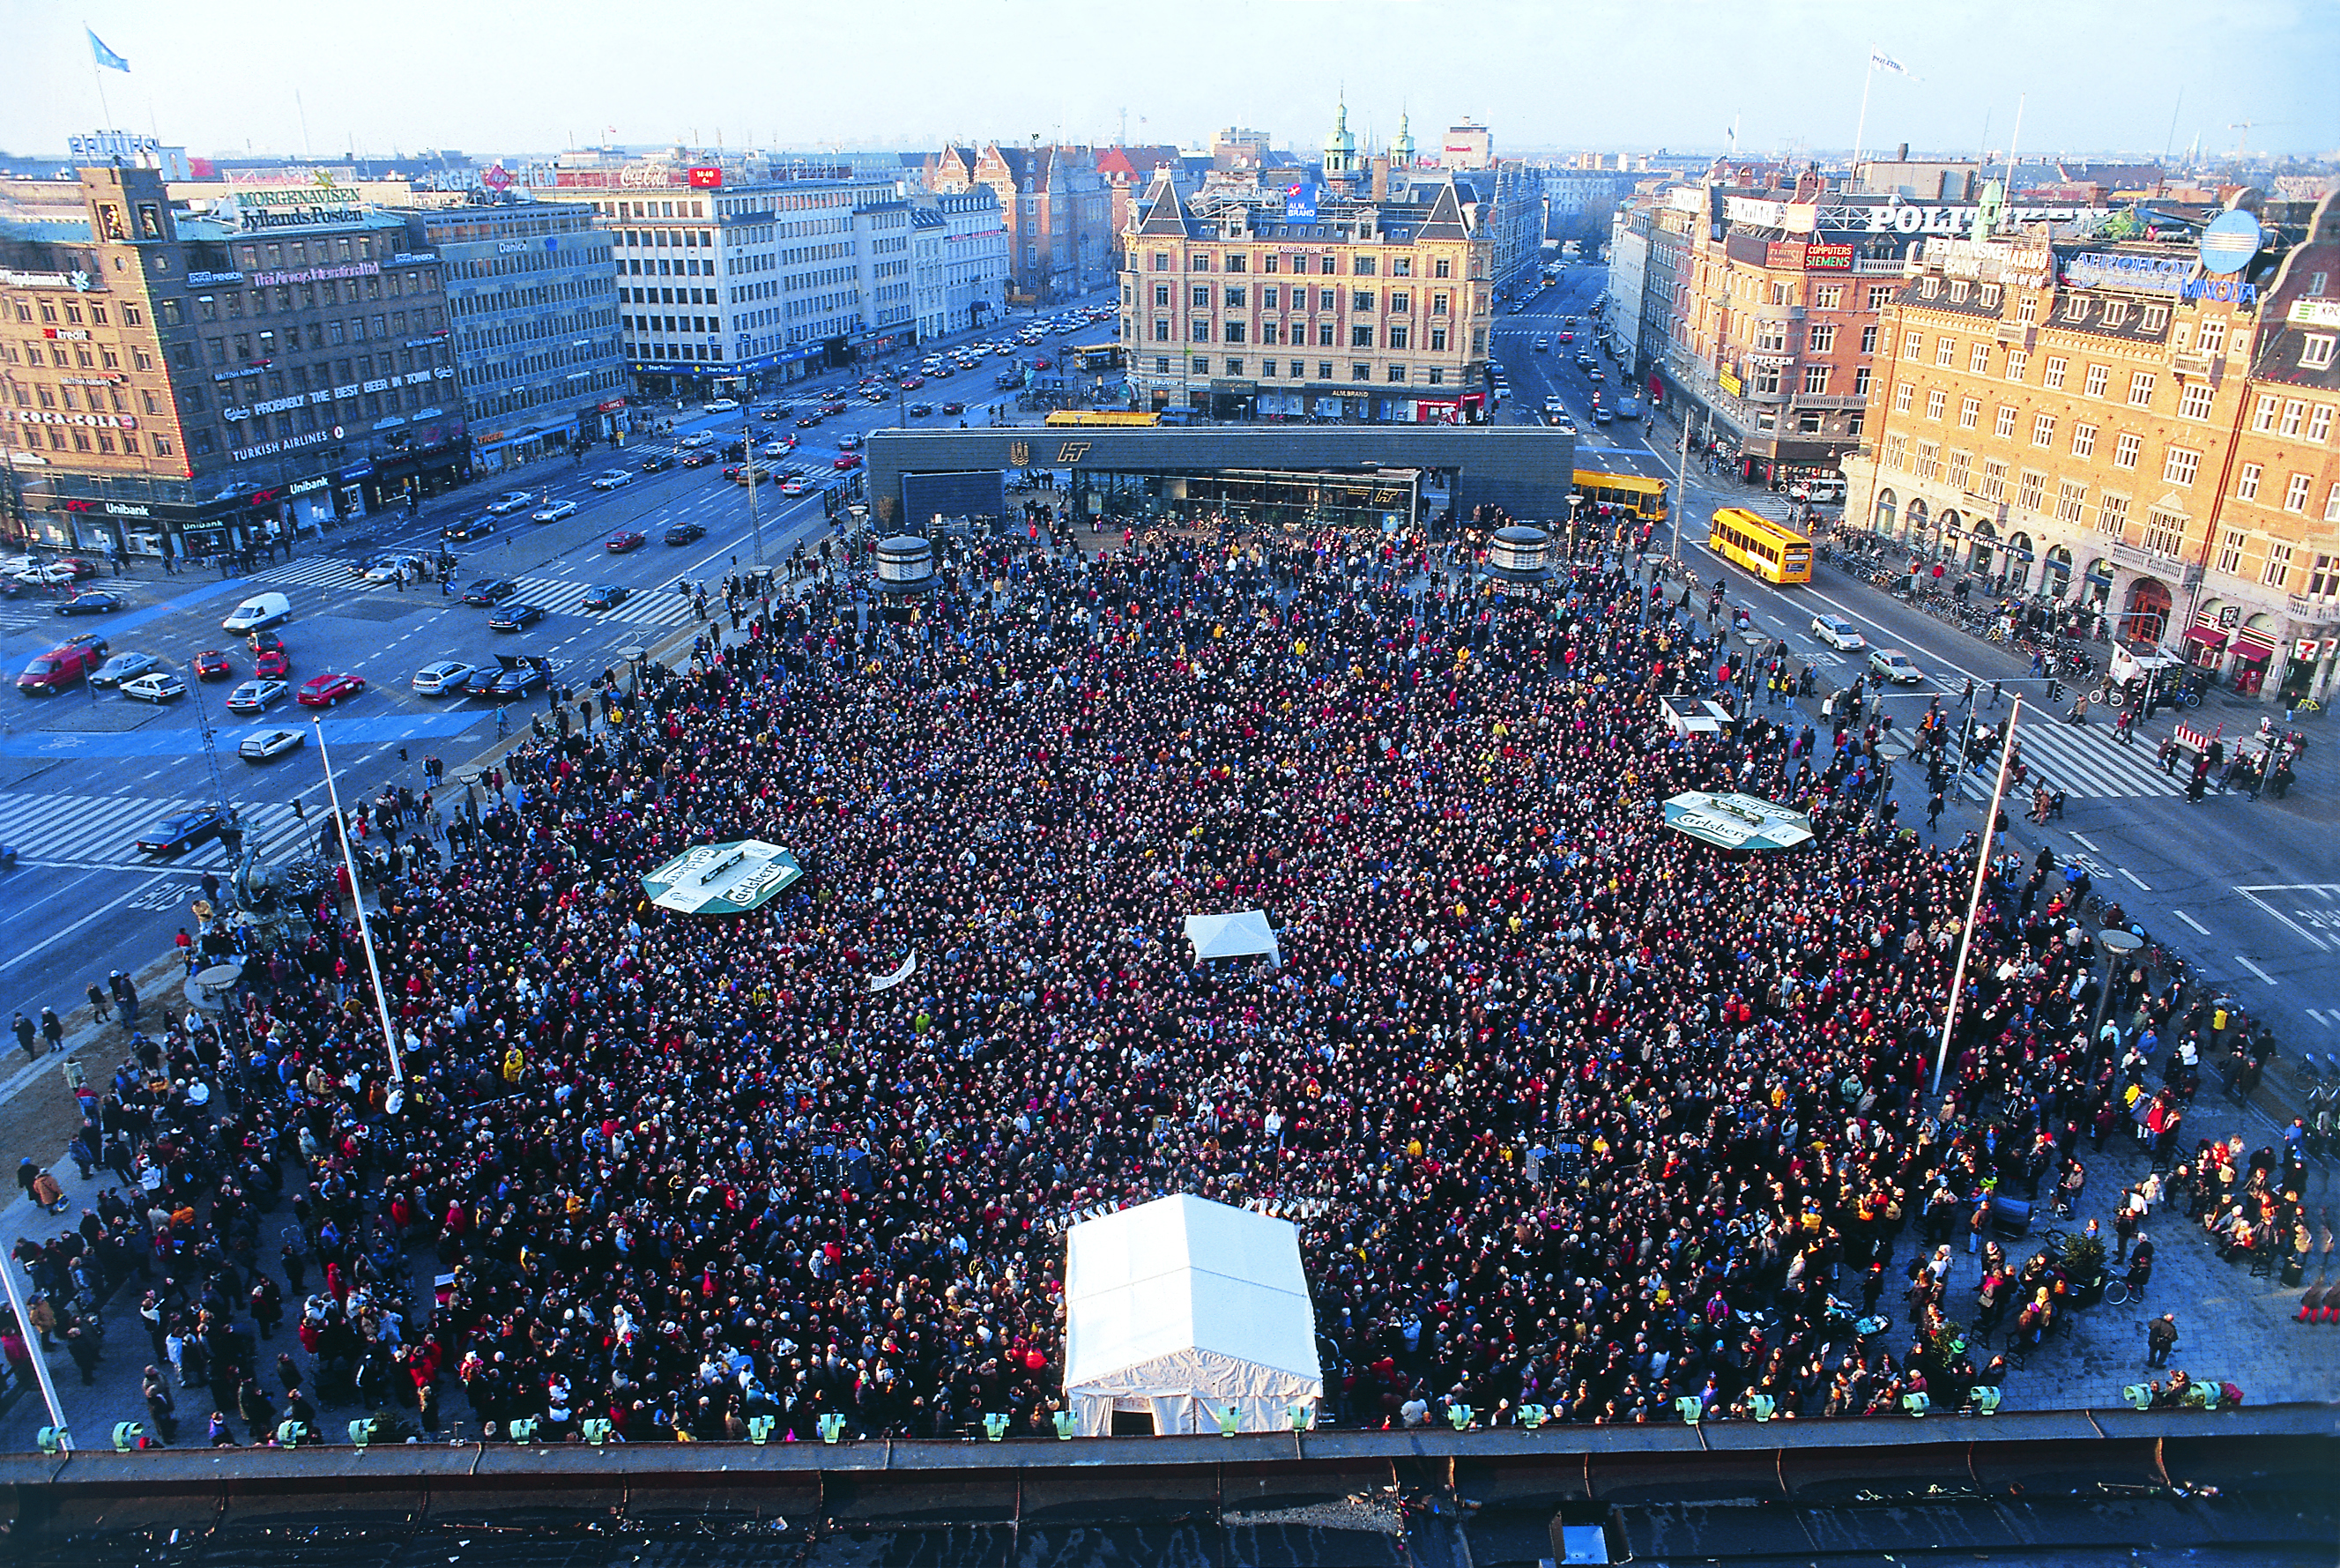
(1058, 210)
(1762, 291)
(2108, 429)
(200, 381)
(1240, 304)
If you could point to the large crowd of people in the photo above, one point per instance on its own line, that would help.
(1575, 1111)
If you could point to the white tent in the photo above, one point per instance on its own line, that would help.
(1236, 936)
(1182, 1308)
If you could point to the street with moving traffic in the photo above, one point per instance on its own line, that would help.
(84, 773)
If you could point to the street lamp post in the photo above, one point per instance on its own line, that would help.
(211, 750)
(748, 465)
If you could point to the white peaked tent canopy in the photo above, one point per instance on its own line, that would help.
(1182, 1308)
(1236, 936)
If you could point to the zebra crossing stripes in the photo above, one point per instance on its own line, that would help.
(556, 595)
(644, 607)
(313, 572)
(2083, 762)
(102, 830)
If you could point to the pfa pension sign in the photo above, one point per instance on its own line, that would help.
(729, 879)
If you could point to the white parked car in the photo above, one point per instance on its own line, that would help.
(436, 680)
(160, 687)
(1892, 664)
(555, 513)
(1838, 633)
(271, 744)
(611, 478)
(390, 568)
(254, 696)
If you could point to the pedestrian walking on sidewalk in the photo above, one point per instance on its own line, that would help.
(101, 1006)
(2160, 1339)
(25, 1037)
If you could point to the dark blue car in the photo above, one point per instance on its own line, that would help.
(176, 834)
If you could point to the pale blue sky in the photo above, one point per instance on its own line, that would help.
(2102, 75)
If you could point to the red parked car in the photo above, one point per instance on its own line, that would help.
(621, 543)
(324, 690)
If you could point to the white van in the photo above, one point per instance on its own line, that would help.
(261, 610)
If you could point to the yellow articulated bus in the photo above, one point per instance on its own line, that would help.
(1626, 492)
(1771, 550)
(1103, 416)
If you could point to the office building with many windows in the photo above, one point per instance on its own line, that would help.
(532, 311)
(201, 382)
(725, 288)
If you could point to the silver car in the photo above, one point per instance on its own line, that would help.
(438, 680)
(270, 744)
(254, 696)
(123, 667)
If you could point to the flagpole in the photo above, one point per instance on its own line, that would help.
(97, 75)
(1860, 131)
(1974, 900)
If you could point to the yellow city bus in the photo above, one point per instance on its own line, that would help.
(1627, 493)
(1091, 358)
(1103, 416)
(1771, 550)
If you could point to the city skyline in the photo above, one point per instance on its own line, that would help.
(2148, 84)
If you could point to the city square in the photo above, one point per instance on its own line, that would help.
(1645, 788)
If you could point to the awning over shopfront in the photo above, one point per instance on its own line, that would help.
(2206, 640)
(2253, 646)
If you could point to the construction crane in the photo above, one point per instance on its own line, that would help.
(2243, 143)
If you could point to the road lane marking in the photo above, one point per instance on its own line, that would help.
(2255, 970)
(2082, 841)
(2134, 877)
(2200, 927)
(2314, 939)
(98, 914)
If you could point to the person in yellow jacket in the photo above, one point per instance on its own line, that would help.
(515, 1065)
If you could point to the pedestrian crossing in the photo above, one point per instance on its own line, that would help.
(557, 595)
(317, 571)
(646, 607)
(102, 830)
(2083, 762)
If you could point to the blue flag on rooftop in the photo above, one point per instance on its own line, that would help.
(104, 57)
